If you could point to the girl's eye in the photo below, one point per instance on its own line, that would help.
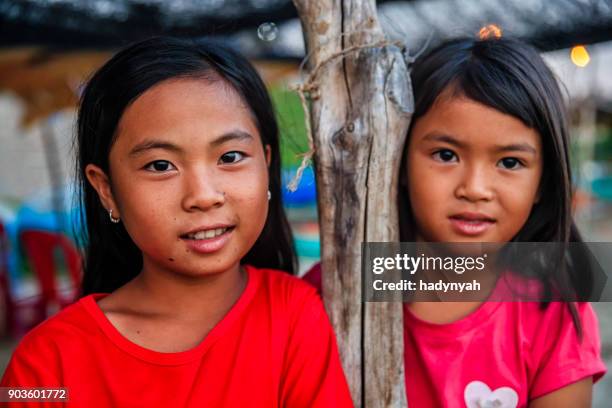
(231, 157)
(510, 163)
(445, 155)
(159, 166)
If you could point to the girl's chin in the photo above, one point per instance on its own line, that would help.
(208, 271)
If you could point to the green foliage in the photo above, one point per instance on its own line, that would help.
(293, 140)
(603, 144)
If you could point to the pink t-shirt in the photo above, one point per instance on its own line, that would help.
(502, 355)
(509, 352)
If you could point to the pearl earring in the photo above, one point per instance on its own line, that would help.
(113, 220)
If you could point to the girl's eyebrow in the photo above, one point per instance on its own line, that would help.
(153, 144)
(162, 144)
(437, 137)
(239, 135)
(514, 147)
(517, 147)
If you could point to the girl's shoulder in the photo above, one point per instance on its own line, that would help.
(561, 336)
(524, 305)
(283, 293)
(69, 331)
(70, 323)
(280, 283)
(556, 319)
(562, 346)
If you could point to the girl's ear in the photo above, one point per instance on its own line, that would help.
(100, 182)
(268, 153)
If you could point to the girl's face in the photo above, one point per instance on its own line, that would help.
(473, 172)
(188, 177)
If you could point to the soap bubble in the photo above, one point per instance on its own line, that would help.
(267, 31)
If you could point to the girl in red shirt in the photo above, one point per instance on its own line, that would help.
(184, 304)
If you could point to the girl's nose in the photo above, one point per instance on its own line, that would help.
(475, 184)
(202, 193)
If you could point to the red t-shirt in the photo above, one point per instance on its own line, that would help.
(275, 347)
(504, 354)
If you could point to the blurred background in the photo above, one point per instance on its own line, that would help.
(48, 49)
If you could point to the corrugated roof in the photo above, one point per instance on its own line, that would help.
(549, 24)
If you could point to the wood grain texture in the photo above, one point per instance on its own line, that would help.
(361, 105)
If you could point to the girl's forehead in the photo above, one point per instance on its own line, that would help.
(188, 96)
(472, 122)
(185, 110)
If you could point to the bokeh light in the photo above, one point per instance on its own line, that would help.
(490, 31)
(580, 56)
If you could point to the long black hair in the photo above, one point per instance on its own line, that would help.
(111, 257)
(511, 77)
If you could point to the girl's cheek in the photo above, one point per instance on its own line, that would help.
(247, 183)
(258, 199)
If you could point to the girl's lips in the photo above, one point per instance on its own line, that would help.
(209, 245)
(470, 227)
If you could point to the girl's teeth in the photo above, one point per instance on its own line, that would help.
(209, 233)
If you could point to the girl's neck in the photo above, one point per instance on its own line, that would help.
(168, 312)
(172, 295)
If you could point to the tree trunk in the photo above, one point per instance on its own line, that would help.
(360, 108)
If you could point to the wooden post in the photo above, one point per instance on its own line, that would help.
(360, 109)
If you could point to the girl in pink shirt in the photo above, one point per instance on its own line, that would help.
(487, 160)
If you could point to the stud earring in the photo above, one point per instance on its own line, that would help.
(113, 220)
(269, 195)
